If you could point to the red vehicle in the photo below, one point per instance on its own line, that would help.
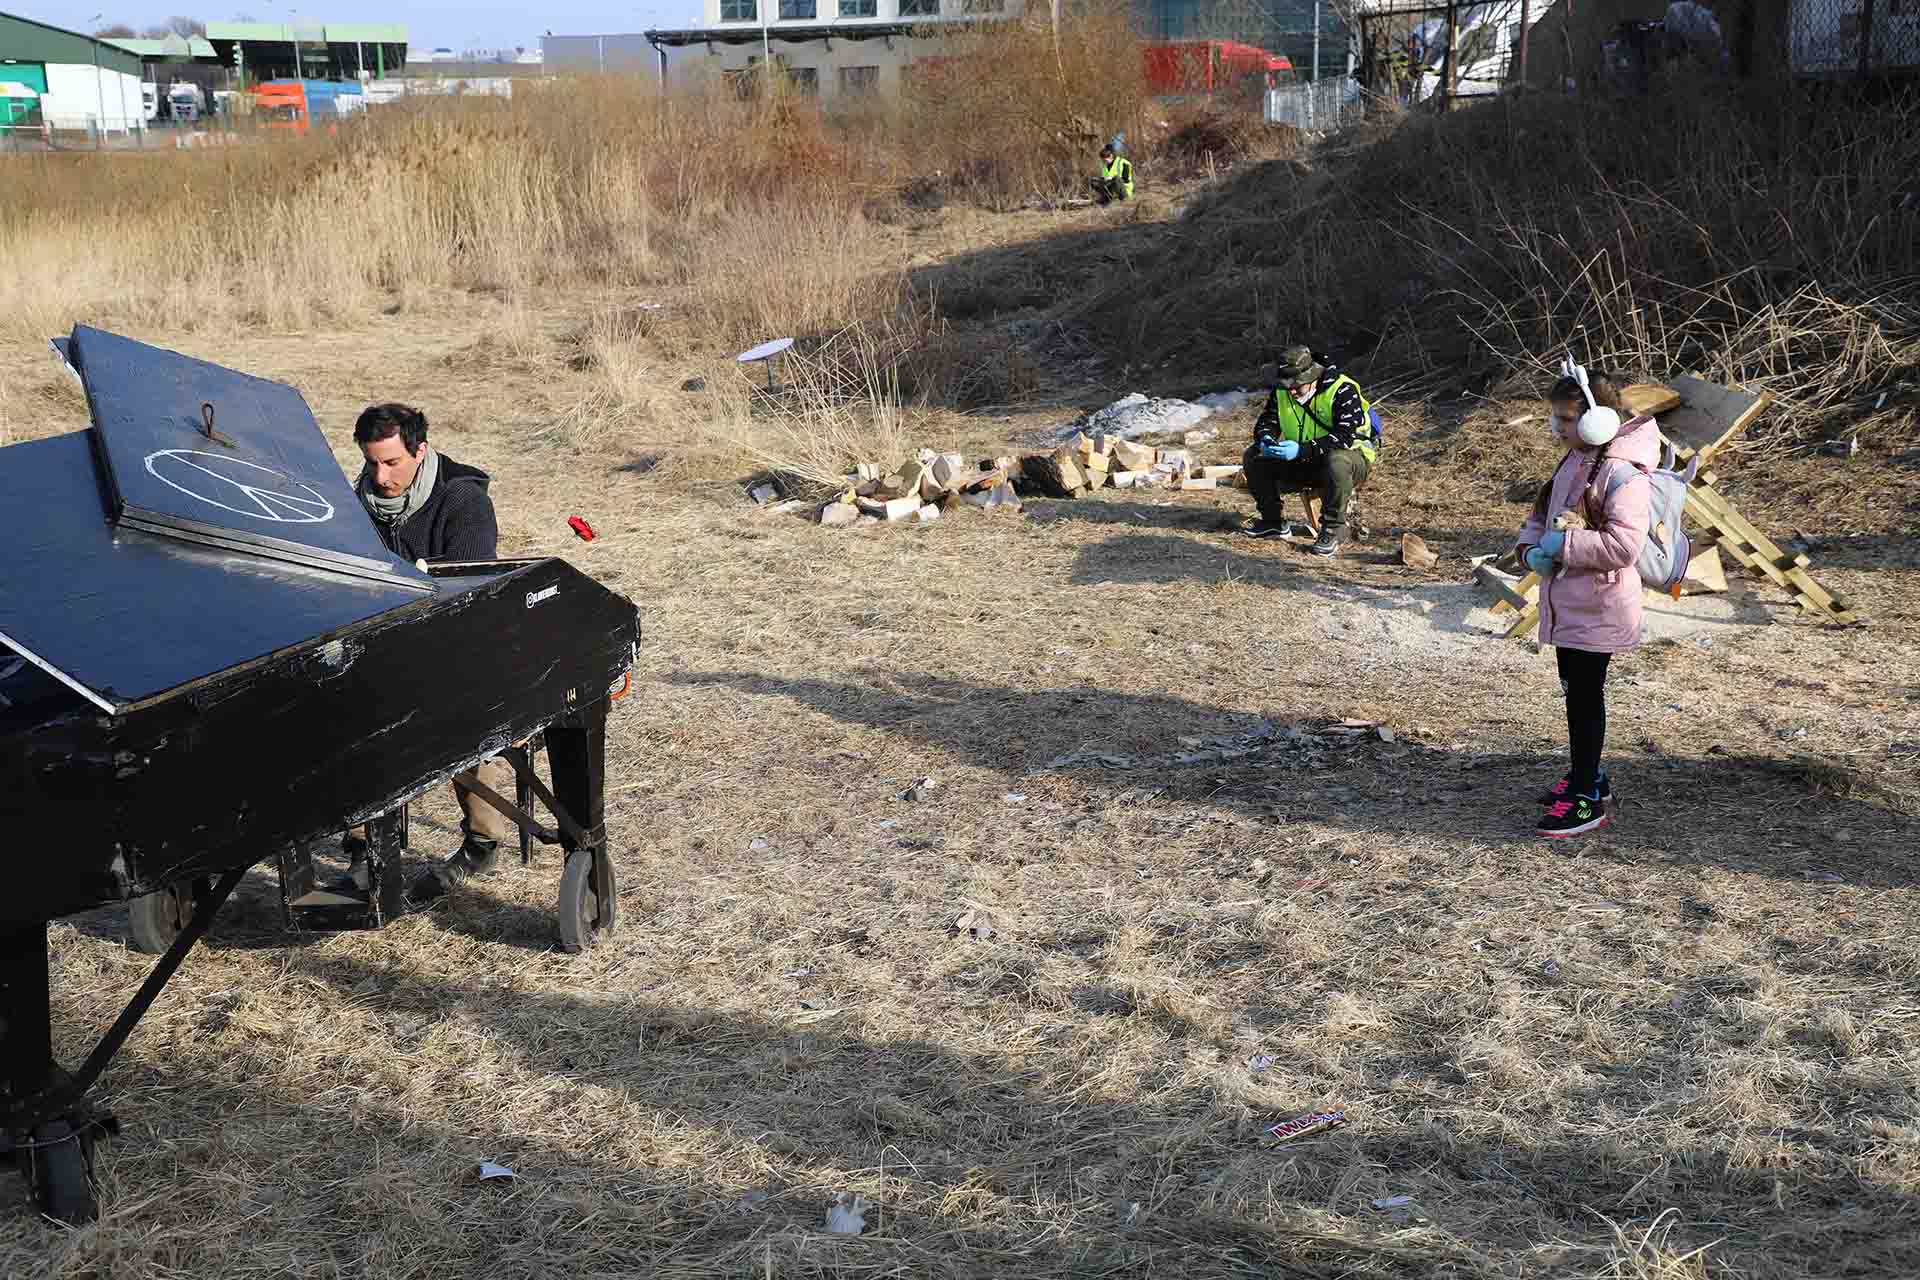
(1180, 68)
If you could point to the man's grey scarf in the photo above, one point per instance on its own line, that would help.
(394, 511)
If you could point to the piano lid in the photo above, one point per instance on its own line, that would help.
(195, 450)
(123, 616)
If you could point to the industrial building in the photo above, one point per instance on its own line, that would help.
(829, 48)
(170, 64)
(64, 80)
(260, 51)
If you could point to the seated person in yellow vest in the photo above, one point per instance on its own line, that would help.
(1116, 177)
(1316, 435)
(426, 506)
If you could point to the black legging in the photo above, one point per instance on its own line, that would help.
(1583, 679)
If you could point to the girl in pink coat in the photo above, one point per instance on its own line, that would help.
(1590, 588)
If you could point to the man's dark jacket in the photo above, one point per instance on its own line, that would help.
(455, 524)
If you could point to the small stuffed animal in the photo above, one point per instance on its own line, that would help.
(1568, 519)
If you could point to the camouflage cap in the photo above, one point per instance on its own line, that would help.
(1298, 366)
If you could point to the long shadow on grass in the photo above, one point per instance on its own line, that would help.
(1011, 1163)
(1770, 815)
(981, 1164)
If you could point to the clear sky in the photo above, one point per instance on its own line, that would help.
(429, 23)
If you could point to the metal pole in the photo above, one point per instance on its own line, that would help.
(1447, 67)
(100, 94)
(1866, 34)
(196, 929)
(1316, 43)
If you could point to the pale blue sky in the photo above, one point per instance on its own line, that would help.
(428, 22)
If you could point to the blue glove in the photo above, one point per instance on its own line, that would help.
(1553, 543)
(1284, 450)
(1539, 561)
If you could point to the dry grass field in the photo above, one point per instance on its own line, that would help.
(1685, 1047)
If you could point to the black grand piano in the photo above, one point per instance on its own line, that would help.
(209, 660)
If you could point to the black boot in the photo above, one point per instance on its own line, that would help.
(474, 857)
(357, 879)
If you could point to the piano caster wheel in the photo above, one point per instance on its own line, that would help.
(158, 918)
(579, 906)
(60, 1172)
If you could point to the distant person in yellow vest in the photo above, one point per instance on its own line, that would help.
(1317, 434)
(1116, 177)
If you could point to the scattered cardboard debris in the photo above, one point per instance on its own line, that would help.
(1415, 553)
(975, 923)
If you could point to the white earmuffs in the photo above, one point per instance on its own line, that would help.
(1598, 424)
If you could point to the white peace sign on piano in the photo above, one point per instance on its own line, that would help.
(222, 482)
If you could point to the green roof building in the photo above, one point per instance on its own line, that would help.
(332, 51)
(78, 83)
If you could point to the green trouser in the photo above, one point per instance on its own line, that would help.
(1333, 477)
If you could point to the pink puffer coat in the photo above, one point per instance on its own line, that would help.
(1596, 605)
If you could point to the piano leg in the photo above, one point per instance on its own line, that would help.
(54, 1155)
(386, 843)
(47, 1126)
(577, 756)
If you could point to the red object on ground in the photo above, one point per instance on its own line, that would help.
(581, 527)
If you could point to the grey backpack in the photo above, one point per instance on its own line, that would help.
(1665, 554)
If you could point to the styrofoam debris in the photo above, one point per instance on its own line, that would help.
(1137, 415)
(847, 1215)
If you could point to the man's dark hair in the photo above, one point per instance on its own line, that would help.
(383, 420)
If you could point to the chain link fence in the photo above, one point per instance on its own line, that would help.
(1853, 37)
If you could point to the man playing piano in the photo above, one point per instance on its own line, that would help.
(426, 506)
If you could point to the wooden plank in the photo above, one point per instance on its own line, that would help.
(1529, 618)
(1709, 416)
(1705, 574)
(1511, 596)
(1828, 603)
(1789, 572)
(1649, 397)
(1748, 545)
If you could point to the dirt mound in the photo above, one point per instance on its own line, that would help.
(1469, 250)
